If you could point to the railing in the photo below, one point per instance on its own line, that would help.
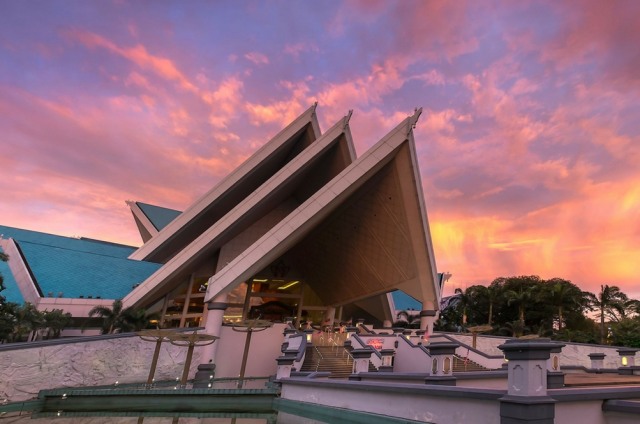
(320, 357)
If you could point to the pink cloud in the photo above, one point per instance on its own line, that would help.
(296, 49)
(283, 111)
(257, 58)
(138, 54)
(601, 33)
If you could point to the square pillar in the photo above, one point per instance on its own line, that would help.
(427, 318)
(442, 363)
(387, 360)
(308, 334)
(627, 361)
(555, 377)
(597, 361)
(285, 364)
(361, 358)
(527, 400)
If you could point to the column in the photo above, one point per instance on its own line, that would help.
(555, 377)
(361, 359)
(387, 360)
(427, 318)
(213, 326)
(329, 317)
(526, 400)
(597, 361)
(285, 365)
(442, 363)
(627, 361)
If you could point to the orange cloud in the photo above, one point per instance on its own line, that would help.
(592, 238)
(139, 55)
(283, 111)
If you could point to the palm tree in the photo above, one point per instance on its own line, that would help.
(111, 317)
(492, 295)
(514, 328)
(136, 319)
(463, 303)
(520, 298)
(609, 303)
(117, 318)
(563, 295)
(56, 321)
(8, 313)
(27, 322)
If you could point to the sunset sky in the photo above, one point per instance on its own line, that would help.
(529, 142)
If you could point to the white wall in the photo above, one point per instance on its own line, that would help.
(24, 372)
(572, 353)
(264, 349)
(411, 359)
(413, 404)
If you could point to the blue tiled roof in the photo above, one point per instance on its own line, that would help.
(79, 244)
(159, 217)
(405, 302)
(78, 267)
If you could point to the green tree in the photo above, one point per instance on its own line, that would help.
(493, 296)
(136, 319)
(463, 304)
(8, 312)
(55, 321)
(28, 320)
(609, 303)
(111, 317)
(626, 332)
(563, 296)
(520, 298)
(482, 302)
(121, 319)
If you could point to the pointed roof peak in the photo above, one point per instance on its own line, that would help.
(413, 119)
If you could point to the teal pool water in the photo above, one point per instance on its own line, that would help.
(98, 405)
(282, 412)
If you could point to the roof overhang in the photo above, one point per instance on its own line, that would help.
(297, 181)
(364, 233)
(222, 198)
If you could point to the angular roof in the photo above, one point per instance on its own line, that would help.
(160, 217)
(222, 198)
(80, 244)
(150, 219)
(364, 233)
(299, 179)
(72, 268)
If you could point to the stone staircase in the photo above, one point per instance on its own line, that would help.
(333, 359)
(462, 365)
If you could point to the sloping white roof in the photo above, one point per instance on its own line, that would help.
(295, 175)
(232, 189)
(364, 233)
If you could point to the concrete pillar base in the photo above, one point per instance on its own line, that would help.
(204, 375)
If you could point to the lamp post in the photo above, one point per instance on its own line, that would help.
(156, 335)
(248, 326)
(190, 340)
